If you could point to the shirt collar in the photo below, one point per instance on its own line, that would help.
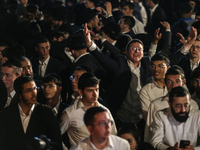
(130, 64)
(21, 111)
(155, 84)
(196, 62)
(57, 105)
(113, 43)
(80, 57)
(109, 144)
(81, 105)
(12, 94)
(153, 9)
(45, 62)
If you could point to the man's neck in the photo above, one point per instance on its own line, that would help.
(9, 90)
(194, 60)
(43, 59)
(99, 143)
(75, 94)
(136, 64)
(52, 102)
(152, 5)
(25, 108)
(161, 82)
(126, 30)
(88, 105)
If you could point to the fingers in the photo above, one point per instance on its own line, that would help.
(176, 144)
(157, 31)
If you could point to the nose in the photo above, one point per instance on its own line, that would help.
(94, 93)
(182, 108)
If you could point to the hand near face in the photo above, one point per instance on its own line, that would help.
(190, 147)
(87, 36)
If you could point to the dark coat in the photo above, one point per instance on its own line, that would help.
(42, 122)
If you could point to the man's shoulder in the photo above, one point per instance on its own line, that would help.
(82, 145)
(72, 108)
(160, 100)
(118, 142)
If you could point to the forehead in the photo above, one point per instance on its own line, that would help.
(92, 87)
(136, 44)
(29, 85)
(196, 43)
(182, 100)
(25, 63)
(51, 82)
(173, 77)
(43, 44)
(78, 72)
(6, 69)
(102, 116)
(158, 62)
(125, 7)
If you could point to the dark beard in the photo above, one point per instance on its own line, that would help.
(178, 117)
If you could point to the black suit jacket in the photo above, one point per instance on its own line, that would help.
(153, 24)
(54, 66)
(121, 77)
(42, 122)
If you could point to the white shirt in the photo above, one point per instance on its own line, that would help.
(43, 67)
(153, 10)
(114, 143)
(9, 98)
(143, 13)
(150, 92)
(195, 65)
(155, 106)
(196, 98)
(166, 131)
(138, 27)
(72, 122)
(25, 118)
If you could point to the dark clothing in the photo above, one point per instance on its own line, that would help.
(42, 122)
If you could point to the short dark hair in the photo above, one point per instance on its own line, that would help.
(195, 74)
(84, 68)
(134, 41)
(90, 113)
(53, 77)
(23, 58)
(41, 39)
(129, 20)
(175, 70)
(129, 4)
(131, 129)
(19, 82)
(87, 80)
(178, 92)
(160, 57)
(155, 1)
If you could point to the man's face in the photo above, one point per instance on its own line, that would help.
(8, 77)
(121, 24)
(76, 76)
(148, 2)
(89, 4)
(50, 90)
(95, 22)
(2, 59)
(90, 94)
(195, 50)
(135, 55)
(197, 18)
(127, 11)
(159, 69)
(180, 108)
(101, 128)
(174, 81)
(24, 2)
(129, 137)
(27, 68)
(196, 84)
(43, 50)
(29, 93)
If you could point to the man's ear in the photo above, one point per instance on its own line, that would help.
(168, 67)
(132, 10)
(59, 89)
(184, 81)
(170, 105)
(90, 129)
(80, 92)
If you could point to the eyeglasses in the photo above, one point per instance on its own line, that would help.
(50, 86)
(74, 77)
(178, 107)
(159, 66)
(130, 141)
(6, 75)
(134, 49)
(103, 124)
(195, 47)
(29, 90)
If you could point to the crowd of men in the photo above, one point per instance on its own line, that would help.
(74, 73)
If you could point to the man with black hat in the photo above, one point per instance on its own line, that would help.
(72, 117)
(10, 71)
(82, 57)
